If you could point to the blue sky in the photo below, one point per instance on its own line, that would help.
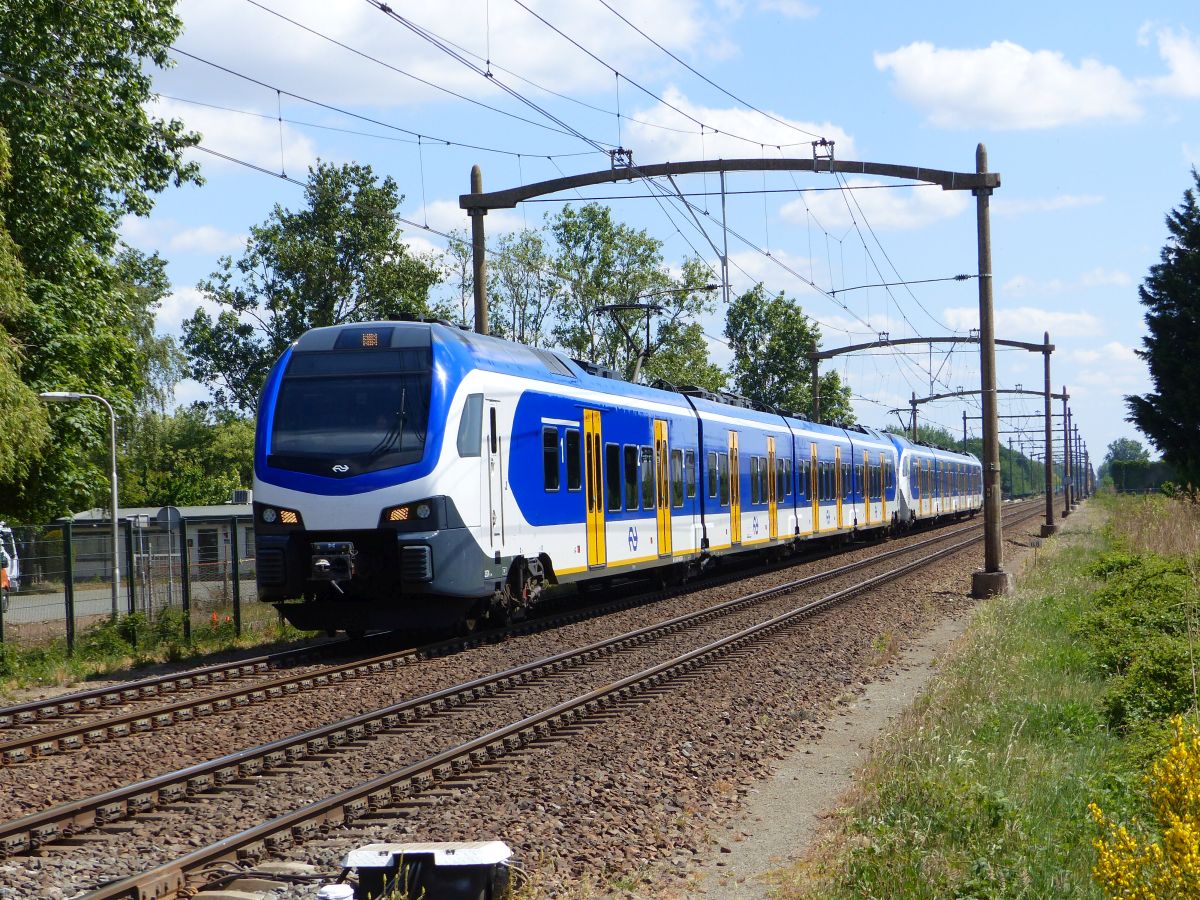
(1089, 113)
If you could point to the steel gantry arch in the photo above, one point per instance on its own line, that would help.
(993, 578)
(990, 417)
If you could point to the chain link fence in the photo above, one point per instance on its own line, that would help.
(198, 569)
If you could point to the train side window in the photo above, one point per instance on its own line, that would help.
(846, 481)
(492, 421)
(723, 477)
(689, 470)
(631, 476)
(677, 478)
(787, 477)
(804, 486)
(550, 473)
(612, 476)
(780, 483)
(649, 480)
(574, 468)
(470, 426)
(754, 479)
(712, 474)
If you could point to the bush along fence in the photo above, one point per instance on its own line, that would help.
(197, 569)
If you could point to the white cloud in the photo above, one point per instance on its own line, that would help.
(793, 9)
(180, 304)
(1028, 322)
(1020, 206)
(206, 239)
(167, 236)
(886, 209)
(1113, 353)
(247, 138)
(660, 134)
(1023, 286)
(1181, 52)
(248, 39)
(1005, 86)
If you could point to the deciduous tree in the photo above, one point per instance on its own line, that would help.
(602, 262)
(194, 456)
(771, 340)
(75, 86)
(338, 259)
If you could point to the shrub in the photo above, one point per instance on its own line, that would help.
(1158, 682)
(1134, 868)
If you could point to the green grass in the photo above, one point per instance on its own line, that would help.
(115, 648)
(981, 790)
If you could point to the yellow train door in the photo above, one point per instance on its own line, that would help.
(772, 491)
(813, 492)
(594, 482)
(866, 487)
(883, 484)
(662, 462)
(926, 487)
(735, 491)
(837, 483)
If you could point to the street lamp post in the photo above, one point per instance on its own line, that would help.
(649, 309)
(71, 397)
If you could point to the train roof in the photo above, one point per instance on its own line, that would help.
(933, 449)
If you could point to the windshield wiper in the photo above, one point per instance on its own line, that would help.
(395, 435)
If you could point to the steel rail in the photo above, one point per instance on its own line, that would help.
(397, 787)
(66, 820)
(77, 735)
(34, 711)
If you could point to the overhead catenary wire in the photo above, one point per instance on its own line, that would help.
(708, 80)
(641, 87)
(405, 73)
(597, 146)
(484, 73)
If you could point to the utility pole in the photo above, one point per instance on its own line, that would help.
(964, 431)
(1066, 455)
(913, 417)
(993, 579)
(1048, 528)
(478, 257)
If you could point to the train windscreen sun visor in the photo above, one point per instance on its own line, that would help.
(344, 412)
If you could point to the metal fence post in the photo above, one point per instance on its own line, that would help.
(69, 587)
(131, 579)
(234, 556)
(185, 581)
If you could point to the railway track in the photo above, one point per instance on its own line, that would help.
(69, 820)
(256, 681)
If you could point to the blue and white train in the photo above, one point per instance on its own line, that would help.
(416, 474)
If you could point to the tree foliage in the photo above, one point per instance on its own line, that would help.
(522, 289)
(602, 262)
(339, 259)
(85, 152)
(1122, 450)
(191, 457)
(771, 339)
(25, 417)
(1170, 414)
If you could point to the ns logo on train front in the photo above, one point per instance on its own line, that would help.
(416, 474)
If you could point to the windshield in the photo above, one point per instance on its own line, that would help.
(341, 413)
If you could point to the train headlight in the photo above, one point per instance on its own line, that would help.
(423, 515)
(276, 515)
